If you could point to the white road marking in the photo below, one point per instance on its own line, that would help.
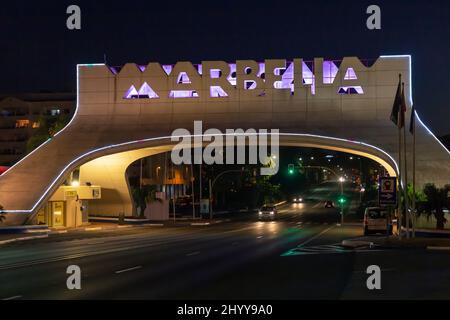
(12, 298)
(315, 237)
(200, 224)
(129, 269)
(259, 237)
(193, 253)
(23, 239)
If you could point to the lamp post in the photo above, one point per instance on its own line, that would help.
(341, 199)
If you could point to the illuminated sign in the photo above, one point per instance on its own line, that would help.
(68, 194)
(221, 80)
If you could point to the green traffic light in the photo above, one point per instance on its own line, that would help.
(341, 200)
(291, 171)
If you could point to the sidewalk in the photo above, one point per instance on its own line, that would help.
(393, 242)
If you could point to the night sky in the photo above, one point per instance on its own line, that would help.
(39, 53)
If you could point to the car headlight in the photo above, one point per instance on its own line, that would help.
(271, 212)
(295, 199)
(260, 212)
(301, 199)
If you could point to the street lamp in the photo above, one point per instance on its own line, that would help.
(341, 199)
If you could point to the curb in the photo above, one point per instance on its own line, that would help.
(356, 244)
(436, 248)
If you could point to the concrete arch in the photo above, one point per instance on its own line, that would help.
(108, 170)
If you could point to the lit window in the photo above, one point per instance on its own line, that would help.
(35, 125)
(22, 123)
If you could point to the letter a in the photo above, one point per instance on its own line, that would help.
(374, 20)
(374, 280)
(74, 20)
(74, 280)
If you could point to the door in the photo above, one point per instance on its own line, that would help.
(58, 213)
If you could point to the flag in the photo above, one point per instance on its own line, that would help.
(402, 111)
(397, 102)
(412, 121)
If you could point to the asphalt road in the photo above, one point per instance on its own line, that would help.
(297, 256)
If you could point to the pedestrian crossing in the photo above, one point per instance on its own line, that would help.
(327, 249)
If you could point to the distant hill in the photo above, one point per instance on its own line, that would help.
(446, 140)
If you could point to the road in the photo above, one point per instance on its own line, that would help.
(295, 257)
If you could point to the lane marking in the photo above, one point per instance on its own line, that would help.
(128, 269)
(12, 298)
(315, 237)
(23, 239)
(200, 224)
(153, 225)
(193, 253)
(259, 237)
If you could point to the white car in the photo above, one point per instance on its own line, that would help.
(267, 212)
(377, 220)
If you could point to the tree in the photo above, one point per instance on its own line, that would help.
(144, 195)
(437, 199)
(48, 127)
(267, 191)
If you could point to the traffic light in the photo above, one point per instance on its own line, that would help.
(291, 168)
(341, 200)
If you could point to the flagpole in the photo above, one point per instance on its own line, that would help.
(399, 204)
(397, 120)
(414, 173)
(405, 189)
(406, 183)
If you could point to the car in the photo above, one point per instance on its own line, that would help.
(377, 220)
(267, 212)
(329, 204)
(298, 199)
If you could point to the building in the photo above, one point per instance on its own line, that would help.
(158, 170)
(19, 120)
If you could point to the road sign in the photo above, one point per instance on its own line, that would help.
(387, 191)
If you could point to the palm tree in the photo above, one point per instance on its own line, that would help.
(144, 195)
(437, 199)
